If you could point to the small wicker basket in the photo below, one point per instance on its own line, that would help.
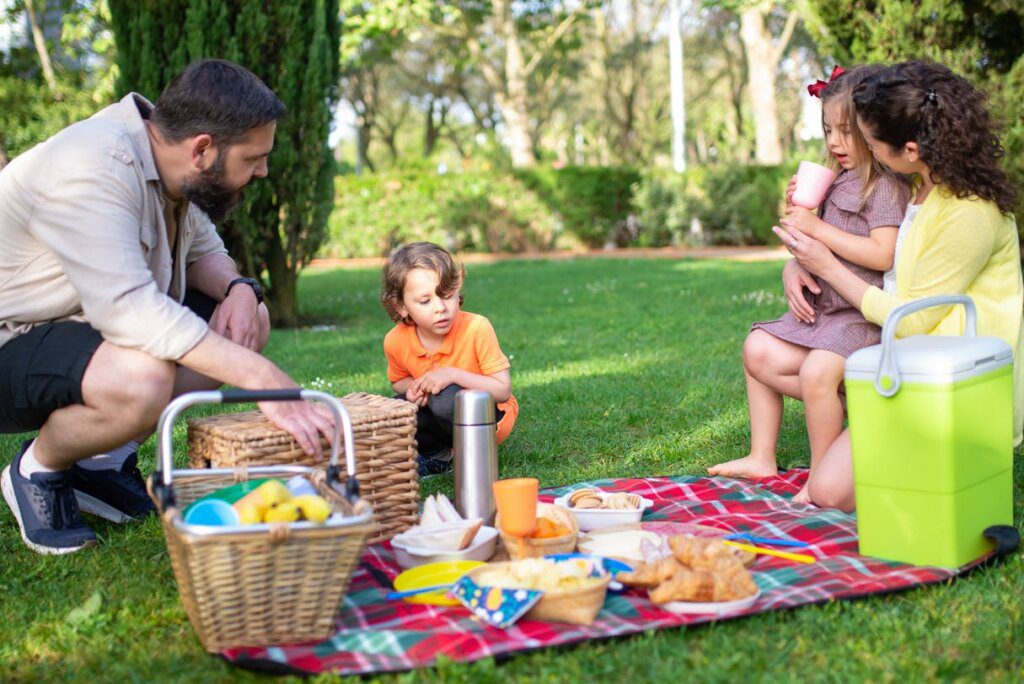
(518, 547)
(575, 606)
(385, 446)
(264, 584)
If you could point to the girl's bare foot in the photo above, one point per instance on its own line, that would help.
(802, 497)
(748, 468)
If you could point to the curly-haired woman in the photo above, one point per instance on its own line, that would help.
(959, 235)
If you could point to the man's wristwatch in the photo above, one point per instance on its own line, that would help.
(251, 282)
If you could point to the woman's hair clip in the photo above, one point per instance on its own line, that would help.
(814, 89)
(931, 97)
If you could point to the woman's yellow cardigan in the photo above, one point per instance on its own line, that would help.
(960, 246)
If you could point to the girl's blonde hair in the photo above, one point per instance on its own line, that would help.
(412, 256)
(840, 91)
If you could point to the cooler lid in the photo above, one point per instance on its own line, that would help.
(934, 358)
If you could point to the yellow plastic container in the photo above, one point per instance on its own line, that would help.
(931, 429)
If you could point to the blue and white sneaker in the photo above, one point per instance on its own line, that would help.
(45, 508)
(115, 495)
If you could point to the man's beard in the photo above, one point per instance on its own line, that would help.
(209, 191)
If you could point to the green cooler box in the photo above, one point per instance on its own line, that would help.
(931, 428)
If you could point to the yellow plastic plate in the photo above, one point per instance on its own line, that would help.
(430, 574)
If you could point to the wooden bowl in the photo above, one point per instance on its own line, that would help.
(574, 606)
(518, 547)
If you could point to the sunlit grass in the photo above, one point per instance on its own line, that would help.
(622, 369)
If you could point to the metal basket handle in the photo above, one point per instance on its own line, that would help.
(887, 378)
(163, 476)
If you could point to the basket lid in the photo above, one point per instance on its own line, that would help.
(934, 359)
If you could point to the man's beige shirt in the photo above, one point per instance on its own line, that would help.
(83, 238)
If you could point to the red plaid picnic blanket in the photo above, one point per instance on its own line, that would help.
(378, 635)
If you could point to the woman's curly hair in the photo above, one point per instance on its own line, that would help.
(946, 116)
(427, 255)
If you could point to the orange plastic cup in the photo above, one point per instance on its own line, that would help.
(516, 501)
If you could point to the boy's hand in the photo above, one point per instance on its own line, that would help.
(416, 396)
(789, 192)
(803, 220)
(434, 381)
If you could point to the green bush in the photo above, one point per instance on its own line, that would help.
(663, 204)
(476, 211)
(29, 114)
(497, 210)
(735, 205)
(594, 203)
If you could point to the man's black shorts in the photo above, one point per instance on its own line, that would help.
(41, 371)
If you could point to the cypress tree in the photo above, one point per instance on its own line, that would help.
(293, 46)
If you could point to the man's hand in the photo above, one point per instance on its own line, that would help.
(794, 279)
(241, 319)
(804, 220)
(304, 421)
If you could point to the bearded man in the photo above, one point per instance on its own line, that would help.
(116, 294)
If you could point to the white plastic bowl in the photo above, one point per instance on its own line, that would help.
(598, 518)
(481, 549)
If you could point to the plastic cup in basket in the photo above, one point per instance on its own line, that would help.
(551, 520)
(595, 509)
(574, 589)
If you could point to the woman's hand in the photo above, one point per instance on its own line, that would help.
(811, 254)
(790, 189)
(794, 279)
(804, 220)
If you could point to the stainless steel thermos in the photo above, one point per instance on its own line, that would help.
(476, 454)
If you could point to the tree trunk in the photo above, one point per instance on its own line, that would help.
(39, 40)
(365, 135)
(4, 159)
(761, 65)
(282, 296)
(514, 101)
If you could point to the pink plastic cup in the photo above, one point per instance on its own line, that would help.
(812, 182)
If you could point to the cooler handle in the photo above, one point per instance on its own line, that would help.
(163, 477)
(887, 378)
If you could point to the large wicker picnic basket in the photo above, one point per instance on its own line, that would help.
(385, 448)
(262, 584)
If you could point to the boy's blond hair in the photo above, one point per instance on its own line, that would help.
(415, 255)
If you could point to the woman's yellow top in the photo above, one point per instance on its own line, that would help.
(960, 246)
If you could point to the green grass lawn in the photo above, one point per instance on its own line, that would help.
(621, 368)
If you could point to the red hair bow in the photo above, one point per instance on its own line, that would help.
(815, 88)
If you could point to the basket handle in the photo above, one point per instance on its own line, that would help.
(163, 476)
(887, 378)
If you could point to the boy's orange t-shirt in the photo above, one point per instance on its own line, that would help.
(470, 345)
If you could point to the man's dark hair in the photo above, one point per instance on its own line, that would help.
(216, 97)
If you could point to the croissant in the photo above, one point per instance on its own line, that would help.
(699, 553)
(685, 585)
(650, 574)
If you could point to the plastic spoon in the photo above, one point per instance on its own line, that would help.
(798, 557)
(767, 541)
(395, 595)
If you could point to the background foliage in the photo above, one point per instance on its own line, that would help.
(293, 47)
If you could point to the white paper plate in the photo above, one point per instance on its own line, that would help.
(710, 608)
(481, 549)
(591, 519)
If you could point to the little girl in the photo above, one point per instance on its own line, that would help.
(436, 349)
(803, 354)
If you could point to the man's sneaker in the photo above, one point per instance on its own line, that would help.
(115, 495)
(438, 464)
(45, 508)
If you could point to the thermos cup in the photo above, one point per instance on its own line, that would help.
(476, 454)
